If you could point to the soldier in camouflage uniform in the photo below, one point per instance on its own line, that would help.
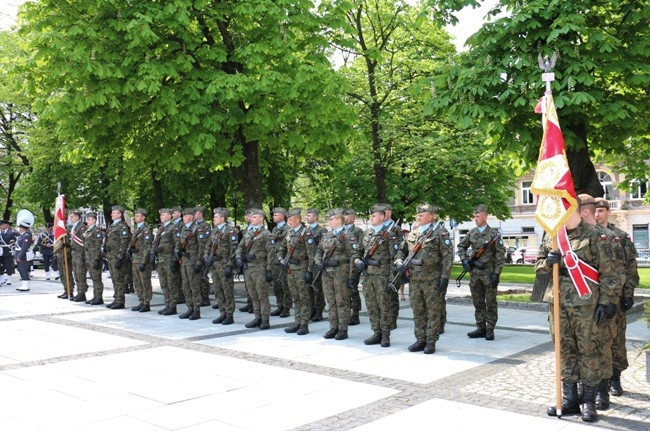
(296, 259)
(163, 259)
(393, 295)
(317, 297)
(352, 230)
(281, 289)
(615, 252)
(254, 255)
(631, 281)
(203, 230)
(191, 264)
(220, 258)
(429, 272)
(248, 308)
(118, 239)
(177, 285)
(373, 258)
(581, 317)
(337, 273)
(79, 268)
(63, 256)
(484, 271)
(93, 243)
(140, 255)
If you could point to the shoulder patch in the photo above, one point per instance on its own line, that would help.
(447, 242)
(396, 246)
(125, 233)
(233, 238)
(147, 237)
(99, 235)
(310, 241)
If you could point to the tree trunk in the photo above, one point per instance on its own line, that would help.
(249, 174)
(47, 215)
(157, 190)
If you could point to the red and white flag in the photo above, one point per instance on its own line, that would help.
(553, 183)
(60, 218)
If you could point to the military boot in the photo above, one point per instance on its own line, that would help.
(285, 312)
(441, 330)
(385, 338)
(489, 334)
(215, 307)
(219, 319)
(418, 346)
(196, 313)
(570, 401)
(293, 328)
(373, 339)
(265, 323)
(331, 333)
(354, 319)
(477, 333)
(111, 304)
(254, 323)
(145, 307)
(170, 311)
(187, 314)
(96, 301)
(80, 297)
(164, 309)
(615, 384)
(245, 308)
(589, 413)
(304, 329)
(602, 395)
(137, 307)
(118, 306)
(228, 320)
(276, 312)
(429, 348)
(341, 335)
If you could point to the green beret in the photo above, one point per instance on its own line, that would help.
(426, 208)
(482, 208)
(221, 211)
(119, 208)
(92, 214)
(141, 211)
(199, 209)
(294, 212)
(313, 211)
(257, 211)
(189, 211)
(164, 210)
(279, 210)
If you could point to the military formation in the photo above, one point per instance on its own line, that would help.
(309, 268)
(597, 278)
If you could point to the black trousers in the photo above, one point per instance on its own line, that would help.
(7, 263)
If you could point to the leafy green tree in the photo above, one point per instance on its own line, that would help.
(601, 88)
(186, 83)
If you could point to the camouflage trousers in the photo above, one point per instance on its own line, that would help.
(337, 295)
(258, 289)
(118, 278)
(300, 294)
(428, 306)
(79, 270)
(96, 277)
(619, 351)
(191, 285)
(65, 271)
(224, 289)
(580, 344)
(484, 298)
(355, 303)
(281, 289)
(378, 302)
(168, 283)
(205, 284)
(142, 282)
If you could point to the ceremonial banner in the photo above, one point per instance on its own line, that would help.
(553, 184)
(60, 218)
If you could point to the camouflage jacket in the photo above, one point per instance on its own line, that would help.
(493, 258)
(188, 247)
(77, 239)
(342, 253)
(142, 244)
(382, 259)
(261, 250)
(224, 243)
(93, 242)
(118, 239)
(304, 248)
(165, 243)
(629, 260)
(436, 253)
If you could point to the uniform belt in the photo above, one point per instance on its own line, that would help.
(293, 261)
(416, 262)
(372, 262)
(250, 258)
(332, 263)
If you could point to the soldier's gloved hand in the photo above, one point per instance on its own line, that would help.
(227, 272)
(442, 286)
(118, 263)
(128, 254)
(283, 265)
(207, 261)
(197, 268)
(611, 310)
(627, 302)
(239, 262)
(318, 268)
(96, 264)
(176, 257)
(494, 279)
(600, 314)
(400, 267)
(360, 265)
(553, 257)
(152, 260)
(142, 267)
(465, 264)
(309, 277)
(175, 266)
(269, 276)
(352, 284)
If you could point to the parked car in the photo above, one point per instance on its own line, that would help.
(525, 255)
(37, 262)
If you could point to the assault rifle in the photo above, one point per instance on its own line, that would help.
(131, 249)
(473, 261)
(326, 258)
(416, 248)
(284, 263)
(378, 240)
(210, 259)
(184, 245)
(154, 247)
(249, 247)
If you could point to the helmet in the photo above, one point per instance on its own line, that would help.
(25, 219)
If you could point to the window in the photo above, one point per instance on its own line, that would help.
(639, 189)
(640, 236)
(606, 181)
(527, 198)
(527, 229)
